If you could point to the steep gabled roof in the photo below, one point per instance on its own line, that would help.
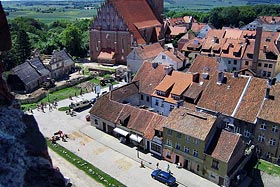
(26, 73)
(106, 109)
(228, 143)
(125, 91)
(39, 66)
(252, 100)
(133, 12)
(270, 110)
(148, 52)
(233, 33)
(189, 122)
(62, 56)
(149, 77)
(223, 97)
(204, 64)
(215, 33)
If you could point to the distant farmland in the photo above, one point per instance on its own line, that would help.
(49, 11)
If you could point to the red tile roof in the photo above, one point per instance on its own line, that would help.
(215, 33)
(189, 122)
(148, 52)
(196, 27)
(193, 45)
(232, 47)
(248, 34)
(223, 98)
(156, 123)
(106, 54)
(121, 93)
(271, 107)
(269, 19)
(175, 31)
(213, 46)
(252, 100)
(204, 64)
(134, 12)
(106, 109)
(149, 77)
(179, 82)
(233, 33)
(227, 144)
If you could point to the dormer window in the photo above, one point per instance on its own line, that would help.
(161, 93)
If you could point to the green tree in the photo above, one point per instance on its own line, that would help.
(71, 38)
(22, 47)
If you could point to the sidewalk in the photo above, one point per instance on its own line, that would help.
(184, 177)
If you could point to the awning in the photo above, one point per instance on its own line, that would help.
(136, 138)
(120, 131)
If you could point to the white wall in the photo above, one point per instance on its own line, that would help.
(167, 61)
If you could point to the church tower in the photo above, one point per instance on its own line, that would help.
(157, 6)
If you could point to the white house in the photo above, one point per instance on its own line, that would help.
(172, 58)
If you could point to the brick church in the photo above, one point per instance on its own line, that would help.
(121, 25)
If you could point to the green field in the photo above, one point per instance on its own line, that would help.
(49, 12)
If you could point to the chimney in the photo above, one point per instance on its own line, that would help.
(220, 78)
(257, 48)
(235, 74)
(267, 93)
(195, 77)
(168, 70)
(264, 48)
(154, 65)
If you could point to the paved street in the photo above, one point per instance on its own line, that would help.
(106, 152)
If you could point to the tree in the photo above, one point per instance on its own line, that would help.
(22, 47)
(71, 38)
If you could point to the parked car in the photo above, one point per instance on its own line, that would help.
(164, 177)
(92, 101)
(78, 104)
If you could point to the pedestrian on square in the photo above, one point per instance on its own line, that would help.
(157, 165)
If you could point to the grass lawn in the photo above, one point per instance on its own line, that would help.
(85, 166)
(268, 167)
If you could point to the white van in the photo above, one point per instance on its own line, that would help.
(78, 104)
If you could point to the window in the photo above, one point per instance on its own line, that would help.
(229, 62)
(264, 73)
(179, 135)
(274, 128)
(263, 126)
(195, 141)
(195, 153)
(171, 108)
(156, 103)
(270, 65)
(268, 155)
(96, 121)
(141, 96)
(168, 154)
(188, 139)
(178, 146)
(247, 133)
(261, 138)
(163, 57)
(268, 74)
(234, 69)
(234, 62)
(246, 63)
(169, 142)
(148, 99)
(259, 64)
(258, 151)
(186, 150)
(169, 132)
(156, 148)
(272, 142)
(197, 167)
(265, 65)
(236, 129)
(215, 164)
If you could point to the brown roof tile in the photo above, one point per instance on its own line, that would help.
(149, 51)
(179, 82)
(202, 64)
(227, 144)
(232, 46)
(196, 27)
(106, 109)
(233, 33)
(215, 33)
(189, 122)
(156, 122)
(223, 98)
(124, 92)
(213, 45)
(175, 31)
(252, 100)
(271, 107)
(269, 19)
(149, 77)
(135, 11)
(193, 91)
(248, 34)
